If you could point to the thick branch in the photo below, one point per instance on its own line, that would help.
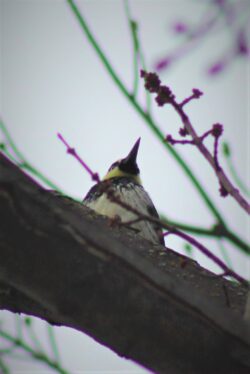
(63, 263)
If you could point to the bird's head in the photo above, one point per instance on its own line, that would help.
(126, 167)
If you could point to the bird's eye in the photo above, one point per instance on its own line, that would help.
(114, 165)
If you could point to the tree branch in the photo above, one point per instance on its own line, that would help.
(63, 263)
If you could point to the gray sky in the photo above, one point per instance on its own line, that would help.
(52, 81)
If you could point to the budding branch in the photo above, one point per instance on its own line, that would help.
(165, 96)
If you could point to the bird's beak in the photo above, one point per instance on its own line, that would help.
(131, 157)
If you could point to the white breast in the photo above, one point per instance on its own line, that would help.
(134, 196)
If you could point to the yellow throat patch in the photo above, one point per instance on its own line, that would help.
(116, 172)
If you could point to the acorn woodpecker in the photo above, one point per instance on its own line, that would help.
(123, 178)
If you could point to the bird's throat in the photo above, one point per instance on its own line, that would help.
(117, 173)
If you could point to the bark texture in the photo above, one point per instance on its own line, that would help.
(63, 263)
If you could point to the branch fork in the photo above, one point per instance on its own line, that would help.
(165, 96)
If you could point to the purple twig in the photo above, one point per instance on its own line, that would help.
(210, 255)
(167, 233)
(173, 141)
(140, 216)
(222, 177)
(196, 95)
(216, 131)
(72, 152)
(181, 234)
(165, 96)
(211, 21)
(216, 142)
(202, 137)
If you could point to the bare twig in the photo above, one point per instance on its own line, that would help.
(72, 152)
(33, 353)
(236, 20)
(165, 96)
(237, 180)
(20, 159)
(141, 216)
(186, 237)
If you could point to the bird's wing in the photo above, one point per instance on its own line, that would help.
(151, 210)
(94, 192)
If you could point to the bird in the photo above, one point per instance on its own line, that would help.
(123, 179)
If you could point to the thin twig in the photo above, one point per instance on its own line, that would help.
(29, 327)
(138, 56)
(19, 329)
(72, 152)
(222, 177)
(115, 199)
(111, 195)
(3, 366)
(217, 230)
(53, 344)
(37, 355)
(23, 160)
(165, 96)
(133, 32)
(225, 254)
(223, 232)
(236, 17)
(227, 154)
(148, 119)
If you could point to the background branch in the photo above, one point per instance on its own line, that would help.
(155, 128)
(165, 96)
(149, 121)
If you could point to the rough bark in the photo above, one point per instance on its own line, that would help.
(63, 263)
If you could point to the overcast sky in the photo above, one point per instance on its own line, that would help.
(52, 81)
